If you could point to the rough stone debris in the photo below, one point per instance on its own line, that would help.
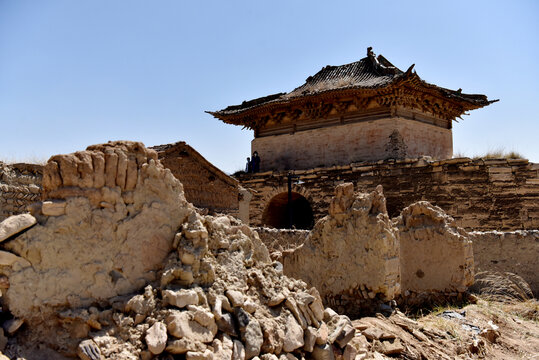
(131, 257)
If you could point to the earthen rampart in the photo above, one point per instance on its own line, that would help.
(480, 194)
(515, 252)
(20, 186)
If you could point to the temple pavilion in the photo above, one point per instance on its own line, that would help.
(367, 110)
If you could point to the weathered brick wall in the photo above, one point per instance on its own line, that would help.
(20, 186)
(344, 144)
(205, 186)
(482, 194)
(514, 252)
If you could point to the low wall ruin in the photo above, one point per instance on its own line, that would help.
(20, 186)
(481, 194)
(515, 252)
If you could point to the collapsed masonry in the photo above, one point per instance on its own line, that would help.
(359, 258)
(120, 266)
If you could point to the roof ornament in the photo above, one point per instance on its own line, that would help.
(372, 56)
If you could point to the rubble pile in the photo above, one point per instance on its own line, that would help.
(117, 265)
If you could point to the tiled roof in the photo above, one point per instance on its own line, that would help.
(368, 73)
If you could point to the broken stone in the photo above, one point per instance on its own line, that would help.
(198, 355)
(180, 298)
(236, 298)
(182, 325)
(389, 347)
(273, 336)
(15, 224)
(345, 335)
(53, 208)
(238, 351)
(309, 339)
(372, 333)
(88, 350)
(203, 317)
(252, 337)
(322, 334)
(249, 306)
(226, 324)
(349, 353)
(184, 345)
(156, 338)
(293, 335)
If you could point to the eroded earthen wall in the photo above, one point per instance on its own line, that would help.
(20, 186)
(516, 252)
(482, 194)
(362, 141)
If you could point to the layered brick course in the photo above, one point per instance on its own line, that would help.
(481, 194)
(20, 186)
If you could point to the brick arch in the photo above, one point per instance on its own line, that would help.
(276, 209)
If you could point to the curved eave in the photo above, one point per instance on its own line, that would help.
(238, 116)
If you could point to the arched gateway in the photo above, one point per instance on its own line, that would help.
(284, 213)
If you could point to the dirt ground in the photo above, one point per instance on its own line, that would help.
(483, 330)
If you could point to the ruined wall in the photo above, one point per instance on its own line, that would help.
(107, 226)
(205, 186)
(516, 252)
(20, 186)
(482, 194)
(352, 255)
(361, 141)
(435, 255)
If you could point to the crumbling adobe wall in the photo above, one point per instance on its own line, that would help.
(515, 252)
(115, 212)
(205, 186)
(482, 194)
(20, 186)
(115, 222)
(352, 255)
(436, 256)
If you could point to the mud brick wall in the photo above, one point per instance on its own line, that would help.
(344, 144)
(205, 186)
(514, 252)
(20, 186)
(481, 194)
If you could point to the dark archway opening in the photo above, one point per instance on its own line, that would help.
(277, 212)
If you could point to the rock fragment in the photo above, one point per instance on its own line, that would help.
(15, 224)
(156, 338)
(180, 298)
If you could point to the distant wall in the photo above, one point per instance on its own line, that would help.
(362, 141)
(20, 186)
(516, 252)
(482, 194)
(205, 186)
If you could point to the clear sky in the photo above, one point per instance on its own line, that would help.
(75, 73)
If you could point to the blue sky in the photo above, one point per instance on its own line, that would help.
(75, 73)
